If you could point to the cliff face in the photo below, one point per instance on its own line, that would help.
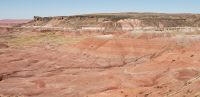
(119, 21)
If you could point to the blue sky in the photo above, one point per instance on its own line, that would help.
(19, 9)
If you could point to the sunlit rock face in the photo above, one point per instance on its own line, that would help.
(121, 22)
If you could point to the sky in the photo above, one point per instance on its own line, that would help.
(26, 9)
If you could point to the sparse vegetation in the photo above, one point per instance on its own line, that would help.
(42, 38)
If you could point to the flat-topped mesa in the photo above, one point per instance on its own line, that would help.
(119, 21)
(38, 18)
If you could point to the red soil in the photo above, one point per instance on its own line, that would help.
(95, 67)
(10, 22)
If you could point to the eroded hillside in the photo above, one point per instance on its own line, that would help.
(68, 57)
(119, 21)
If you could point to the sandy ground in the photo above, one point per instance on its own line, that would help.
(50, 65)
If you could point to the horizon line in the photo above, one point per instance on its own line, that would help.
(123, 12)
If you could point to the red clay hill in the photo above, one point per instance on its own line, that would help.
(45, 60)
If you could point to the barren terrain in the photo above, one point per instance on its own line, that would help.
(113, 64)
(13, 22)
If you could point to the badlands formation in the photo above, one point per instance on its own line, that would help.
(102, 55)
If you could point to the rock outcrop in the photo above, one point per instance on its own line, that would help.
(119, 21)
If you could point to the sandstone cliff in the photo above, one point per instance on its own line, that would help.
(118, 21)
